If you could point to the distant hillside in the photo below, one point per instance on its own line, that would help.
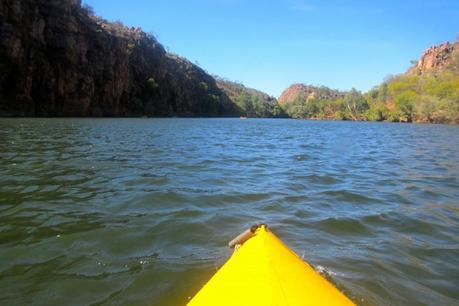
(305, 92)
(251, 102)
(314, 102)
(427, 92)
(58, 59)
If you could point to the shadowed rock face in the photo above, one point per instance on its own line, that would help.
(58, 60)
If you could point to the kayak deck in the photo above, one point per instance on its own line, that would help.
(264, 271)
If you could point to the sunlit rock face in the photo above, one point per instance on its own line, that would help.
(58, 59)
(305, 92)
(437, 58)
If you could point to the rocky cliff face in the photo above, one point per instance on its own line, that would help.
(56, 59)
(436, 58)
(306, 92)
(294, 92)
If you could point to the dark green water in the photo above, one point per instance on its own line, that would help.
(139, 211)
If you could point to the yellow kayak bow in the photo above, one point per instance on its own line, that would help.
(264, 271)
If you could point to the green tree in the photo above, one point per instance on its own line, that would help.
(356, 104)
(405, 104)
(377, 112)
(425, 108)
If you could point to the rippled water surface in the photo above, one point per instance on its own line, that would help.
(139, 211)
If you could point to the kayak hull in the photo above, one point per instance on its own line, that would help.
(264, 271)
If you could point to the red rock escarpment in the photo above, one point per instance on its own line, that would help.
(305, 92)
(436, 58)
(295, 91)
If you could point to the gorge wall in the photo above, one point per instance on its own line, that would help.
(58, 59)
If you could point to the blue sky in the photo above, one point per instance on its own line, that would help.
(272, 44)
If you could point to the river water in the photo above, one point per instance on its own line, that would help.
(139, 211)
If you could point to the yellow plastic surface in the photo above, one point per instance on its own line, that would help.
(264, 271)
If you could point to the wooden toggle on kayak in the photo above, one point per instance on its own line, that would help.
(264, 271)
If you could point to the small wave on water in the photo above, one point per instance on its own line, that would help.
(139, 211)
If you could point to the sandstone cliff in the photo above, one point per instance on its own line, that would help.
(56, 59)
(305, 92)
(436, 59)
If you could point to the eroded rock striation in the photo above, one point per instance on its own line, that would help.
(58, 59)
